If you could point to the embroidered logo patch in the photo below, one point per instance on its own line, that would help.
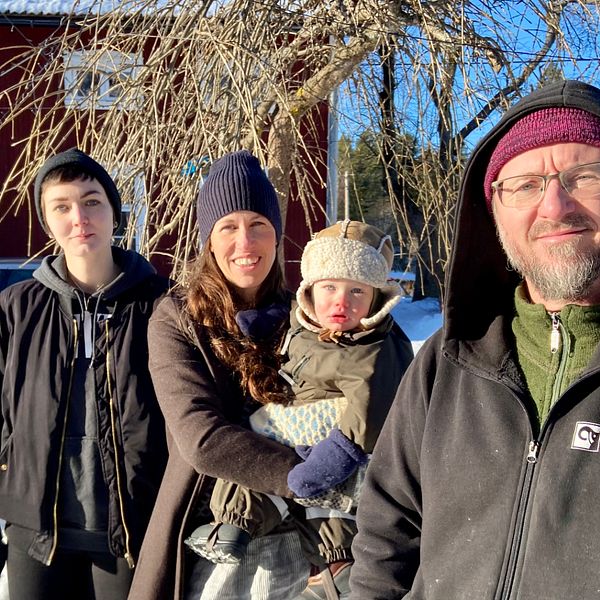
(586, 436)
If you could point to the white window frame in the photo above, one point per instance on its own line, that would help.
(109, 70)
(135, 211)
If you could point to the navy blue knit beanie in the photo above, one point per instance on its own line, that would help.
(236, 182)
(76, 158)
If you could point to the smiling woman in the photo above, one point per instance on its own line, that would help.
(244, 246)
(214, 359)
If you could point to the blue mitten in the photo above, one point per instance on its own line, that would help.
(326, 464)
(261, 323)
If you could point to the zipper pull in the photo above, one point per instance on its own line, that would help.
(532, 455)
(555, 333)
(130, 561)
(287, 377)
(286, 342)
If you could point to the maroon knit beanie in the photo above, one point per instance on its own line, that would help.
(541, 128)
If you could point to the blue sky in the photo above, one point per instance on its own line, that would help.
(578, 58)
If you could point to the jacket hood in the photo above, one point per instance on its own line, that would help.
(134, 268)
(479, 284)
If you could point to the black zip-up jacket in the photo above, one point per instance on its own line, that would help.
(466, 497)
(38, 335)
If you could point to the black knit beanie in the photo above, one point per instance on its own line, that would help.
(236, 182)
(77, 158)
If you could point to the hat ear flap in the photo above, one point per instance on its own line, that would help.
(305, 301)
(388, 297)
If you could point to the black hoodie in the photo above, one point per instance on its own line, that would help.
(466, 498)
(39, 323)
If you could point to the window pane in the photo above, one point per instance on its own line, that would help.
(115, 89)
(88, 85)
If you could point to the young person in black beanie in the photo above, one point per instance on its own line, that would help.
(82, 443)
(213, 359)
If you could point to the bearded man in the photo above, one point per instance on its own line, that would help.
(484, 482)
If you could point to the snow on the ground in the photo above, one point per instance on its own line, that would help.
(418, 319)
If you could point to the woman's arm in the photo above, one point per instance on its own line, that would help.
(193, 391)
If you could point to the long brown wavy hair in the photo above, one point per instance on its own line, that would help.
(213, 303)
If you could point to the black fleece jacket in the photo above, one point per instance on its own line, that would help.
(466, 498)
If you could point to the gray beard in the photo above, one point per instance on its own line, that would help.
(567, 278)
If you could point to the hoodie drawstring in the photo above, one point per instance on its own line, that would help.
(83, 306)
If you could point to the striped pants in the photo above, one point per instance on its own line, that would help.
(274, 568)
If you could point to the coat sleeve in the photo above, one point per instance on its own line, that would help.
(193, 402)
(368, 380)
(387, 546)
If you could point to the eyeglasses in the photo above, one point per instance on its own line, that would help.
(525, 191)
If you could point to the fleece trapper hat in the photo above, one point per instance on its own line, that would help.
(76, 158)
(541, 128)
(236, 182)
(349, 250)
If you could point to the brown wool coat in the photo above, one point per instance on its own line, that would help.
(201, 404)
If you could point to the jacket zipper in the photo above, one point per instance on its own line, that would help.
(517, 539)
(291, 333)
(111, 404)
(559, 340)
(290, 377)
(298, 366)
(62, 445)
(555, 332)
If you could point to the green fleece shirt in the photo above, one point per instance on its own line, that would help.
(549, 372)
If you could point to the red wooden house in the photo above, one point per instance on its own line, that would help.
(34, 23)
